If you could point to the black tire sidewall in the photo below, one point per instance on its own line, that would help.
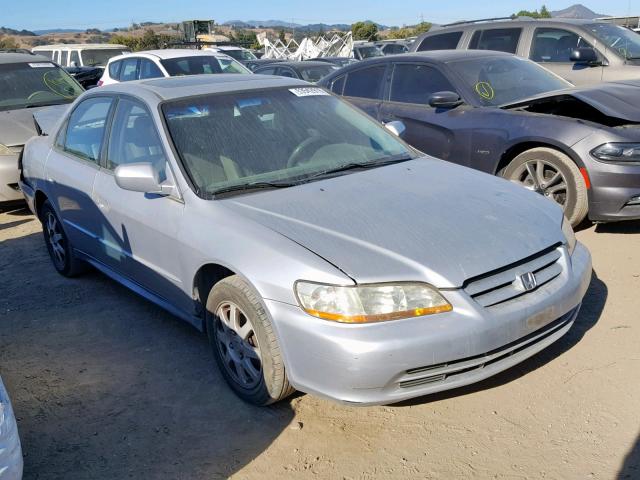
(45, 211)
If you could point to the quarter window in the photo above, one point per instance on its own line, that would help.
(442, 41)
(134, 138)
(555, 45)
(365, 83)
(114, 70)
(416, 83)
(499, 39)
(85, 130)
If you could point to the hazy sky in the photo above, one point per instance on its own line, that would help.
(41, 14)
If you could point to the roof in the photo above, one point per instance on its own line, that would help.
(179, 87)
(6, 58)
(177, 53)
(435, 55)
(304, 63)
(506, 23)
(80, 46)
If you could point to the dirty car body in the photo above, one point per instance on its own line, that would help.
(317, 202)
(500, 115)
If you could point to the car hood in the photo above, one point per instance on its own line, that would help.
(617, 100)
(18, 126)
(422, 220)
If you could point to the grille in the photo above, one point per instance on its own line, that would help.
(504, 284)
(445, 371)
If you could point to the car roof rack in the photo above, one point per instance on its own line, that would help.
(483, 20)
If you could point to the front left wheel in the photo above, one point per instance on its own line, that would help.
(244, 343)
(58, 244)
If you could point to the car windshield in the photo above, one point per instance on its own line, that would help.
(199, 64)
(24, 85)
(313, 74)
(368, 52)
(621, 40)
(273, 136)
(99, 57)
(495, 81)
(242, 55)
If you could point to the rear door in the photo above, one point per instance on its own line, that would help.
(435, 131)
(73, 166)
(552, 47)
(364, 88)
(140, 238)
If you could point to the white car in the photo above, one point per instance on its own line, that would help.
(167, 63)
(10, 450)
(81, 54)
(238, 53)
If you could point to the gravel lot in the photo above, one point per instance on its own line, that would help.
(107, 386)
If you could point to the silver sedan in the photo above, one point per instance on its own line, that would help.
(316, 250)
(10, 450)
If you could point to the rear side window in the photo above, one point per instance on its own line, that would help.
(365, 83)
(114, 70)
(442, 41)
(74, 58)
(498, 39)
(85, 130)
(129, 70)
(191, 65)
(64, 58)
(413, 83)
(148, 69)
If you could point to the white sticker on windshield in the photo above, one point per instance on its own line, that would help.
(41, 65)
(308, 91)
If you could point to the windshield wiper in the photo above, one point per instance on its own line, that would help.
(253, 186)
(38, 105)
(355, 165)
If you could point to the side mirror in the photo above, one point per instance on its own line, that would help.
(141, 177)
(396, 127)
(445, 100)
(584, 55)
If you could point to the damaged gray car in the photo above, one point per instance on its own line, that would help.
(508, 116)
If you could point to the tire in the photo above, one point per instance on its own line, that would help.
(58, 244)
(244, 343)
(553, 174)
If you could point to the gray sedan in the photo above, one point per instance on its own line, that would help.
(10, 450)
(316, 249)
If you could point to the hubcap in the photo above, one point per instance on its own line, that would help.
(544, 178)
(56, 239)
(238, 345)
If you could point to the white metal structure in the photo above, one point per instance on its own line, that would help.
(167, 63)
(81, 54)
(336, 46)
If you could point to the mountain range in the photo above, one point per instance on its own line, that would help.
(577, 11)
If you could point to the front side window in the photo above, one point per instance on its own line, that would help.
(148, 69)
(365, 83)
(129, 70)
(442, 41)
(286, 72)
(498, 39)
(134, 137)
(416, 83)
(34, 84)
(277, 135)
(554, 45)
(86, 127)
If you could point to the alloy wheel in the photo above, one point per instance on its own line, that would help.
(56, 240)
(238, 345)
(544, 178)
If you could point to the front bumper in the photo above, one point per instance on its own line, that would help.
(9, 191)
(392, 361)
(10, 450)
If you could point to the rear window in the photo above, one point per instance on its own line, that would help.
(442, 41)
(497, 39)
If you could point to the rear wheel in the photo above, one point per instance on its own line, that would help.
(244, 343)
(554, 175)
(58, 244)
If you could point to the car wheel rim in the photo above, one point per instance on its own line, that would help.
(56, 239)
(544, 178)
(238, 345)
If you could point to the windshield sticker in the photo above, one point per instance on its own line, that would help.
(485, 90)
(58, 84)
(42, 65)
(308, 92)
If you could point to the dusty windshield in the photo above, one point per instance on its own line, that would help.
(495, 81)
(35, 84)
(621, 40)
(100, 57)
(279, 135)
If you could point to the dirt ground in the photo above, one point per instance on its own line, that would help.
(107, 386)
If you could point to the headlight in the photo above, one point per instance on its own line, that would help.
(569, 235)
(369, 303)
(618, 152)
